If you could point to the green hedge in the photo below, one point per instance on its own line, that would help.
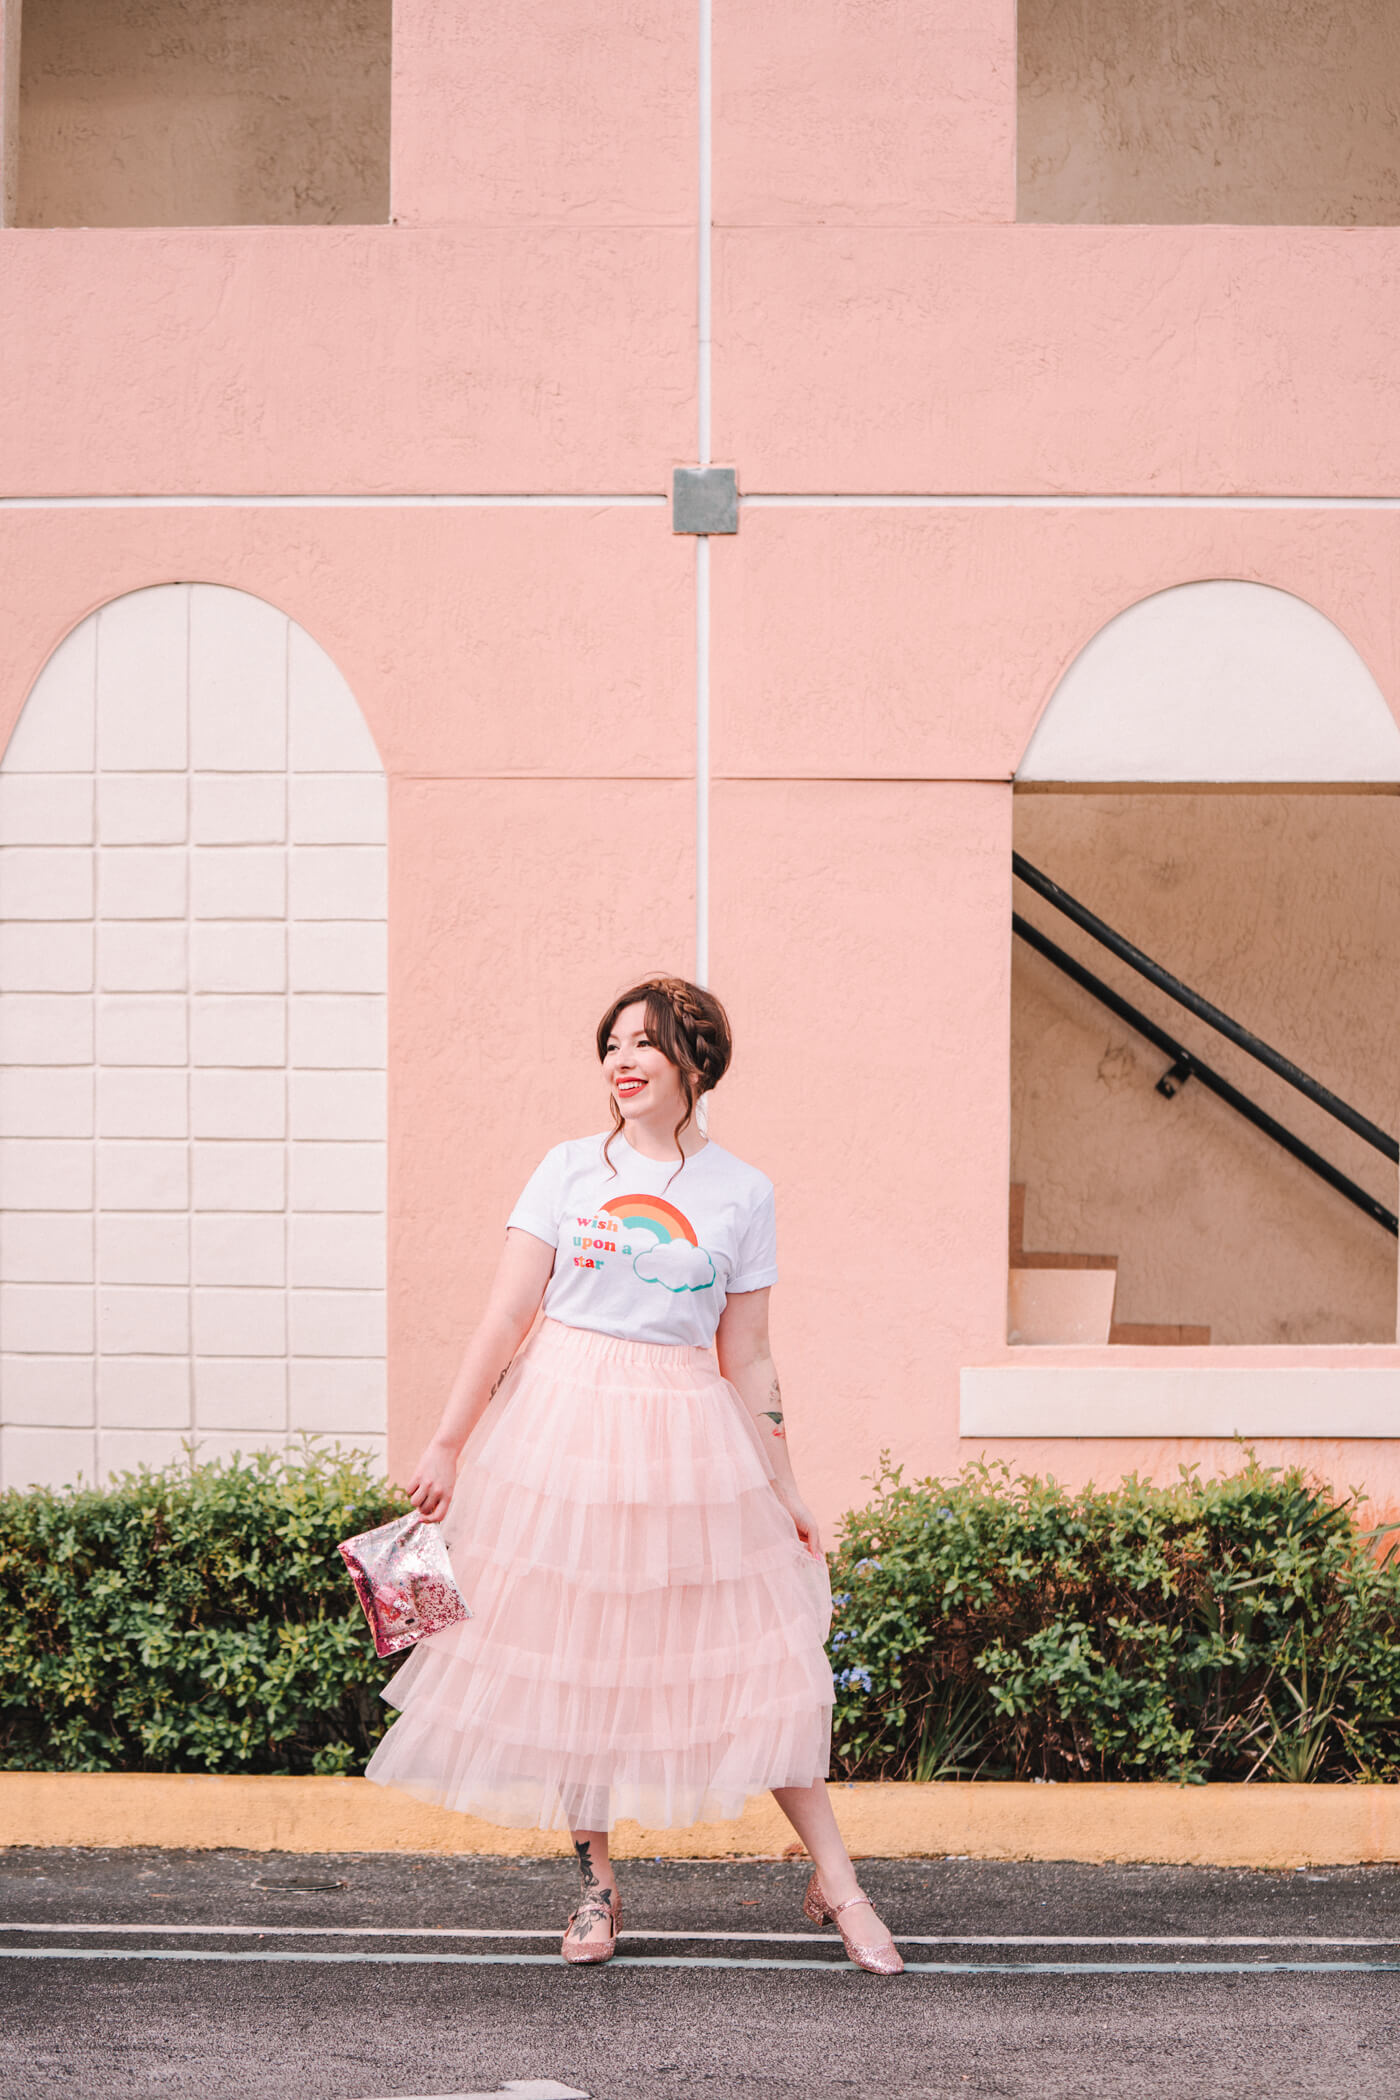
(999, 1627)
(200, 1619)
(193, 1620)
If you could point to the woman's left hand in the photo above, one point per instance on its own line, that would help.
(802, 1517)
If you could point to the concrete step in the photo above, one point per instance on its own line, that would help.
(1059, 1297)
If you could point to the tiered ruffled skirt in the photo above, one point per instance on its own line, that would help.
(648, 1639)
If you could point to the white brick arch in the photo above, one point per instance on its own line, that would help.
(192, 962)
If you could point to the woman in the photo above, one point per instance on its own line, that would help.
(649, 1589)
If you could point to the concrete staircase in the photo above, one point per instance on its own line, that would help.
(1070, 1297)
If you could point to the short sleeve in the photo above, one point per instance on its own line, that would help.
(756, 1263)
(537, 1209)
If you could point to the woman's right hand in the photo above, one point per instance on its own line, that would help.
(434, 1477)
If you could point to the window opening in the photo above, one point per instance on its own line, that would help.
(204, 112)
(1262, 112)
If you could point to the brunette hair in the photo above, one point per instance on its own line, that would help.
(688, 1026)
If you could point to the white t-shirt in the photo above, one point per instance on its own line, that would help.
(646, 1250)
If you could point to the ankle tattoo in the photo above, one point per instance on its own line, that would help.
(583, 1851)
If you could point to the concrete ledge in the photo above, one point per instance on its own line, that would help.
(1233, 1826)
(1187, 1398)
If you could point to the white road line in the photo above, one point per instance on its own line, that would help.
(306, 1957)
(818, 1939)
(513, 2089)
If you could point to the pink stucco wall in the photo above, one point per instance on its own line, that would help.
(528, 328)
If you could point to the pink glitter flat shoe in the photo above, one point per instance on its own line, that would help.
(575, 1947)
(881, 1961)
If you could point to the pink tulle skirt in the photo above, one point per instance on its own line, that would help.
(649, 1630)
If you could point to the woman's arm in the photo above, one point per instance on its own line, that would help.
(521, 1275)
(745, 1359)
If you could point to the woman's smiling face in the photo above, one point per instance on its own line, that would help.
(642, 1080)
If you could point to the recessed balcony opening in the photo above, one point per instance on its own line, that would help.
(1146, 1208)
(204, 112)
(1259, 112)
(1204, 1120)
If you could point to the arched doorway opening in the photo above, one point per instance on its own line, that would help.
(1215, 779)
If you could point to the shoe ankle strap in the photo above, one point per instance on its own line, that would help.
(859, 1897)
(593, 1906)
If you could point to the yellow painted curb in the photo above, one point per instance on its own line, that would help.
(1234, 1826)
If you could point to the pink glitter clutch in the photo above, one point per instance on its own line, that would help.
(404, 1580)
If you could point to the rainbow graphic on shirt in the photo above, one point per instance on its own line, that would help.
(670, 1253)
(652, 1214)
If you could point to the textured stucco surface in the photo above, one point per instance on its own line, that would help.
(581, 111)
(321, 360)
(1013, 359)
(858, 935)
(1285, 910)
(204, 112)
(864, 112)
(1045, 359)
(927, 642)
(9, 110)
(1262, 112)
(541, 642)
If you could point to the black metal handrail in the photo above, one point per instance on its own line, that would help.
(1202, 1007)
(1186, 1065)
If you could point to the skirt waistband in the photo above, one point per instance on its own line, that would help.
(556, 1338)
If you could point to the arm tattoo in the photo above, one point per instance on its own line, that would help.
(774, 1411)
(500, 1381)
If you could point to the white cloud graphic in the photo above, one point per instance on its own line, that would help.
(676, 1265)
(634, 1239)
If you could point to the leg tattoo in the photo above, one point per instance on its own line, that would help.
(592, 1886)
(583, 1849)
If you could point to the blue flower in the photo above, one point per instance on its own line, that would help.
(837, 1638)
(857, 1675)
(862, 1565)
(841, 1597)
(945, 1512)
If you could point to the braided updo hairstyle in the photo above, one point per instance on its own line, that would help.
(688, 1026)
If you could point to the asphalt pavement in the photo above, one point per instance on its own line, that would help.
(388, 1977)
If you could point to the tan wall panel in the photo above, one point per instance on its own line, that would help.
(1259, 112)
(204, 112)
